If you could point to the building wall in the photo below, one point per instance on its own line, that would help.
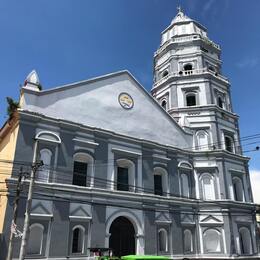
(7, 152)
(59, 206)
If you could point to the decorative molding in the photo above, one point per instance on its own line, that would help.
(86, 142)
(167, 222)
(205, 166)
(237, 171)
(211, 220)
(118, 150)
(48, 133)
(82, 218)
(161, 158)
(37, 215)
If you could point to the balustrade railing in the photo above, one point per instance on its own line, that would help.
(189, 73)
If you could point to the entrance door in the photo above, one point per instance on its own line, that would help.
(122, 238)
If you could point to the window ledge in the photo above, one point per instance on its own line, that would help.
(35, 215)
(86, 218)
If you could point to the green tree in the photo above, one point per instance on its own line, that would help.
(12, 106)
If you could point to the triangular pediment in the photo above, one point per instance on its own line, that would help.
(187, 218)
(99, 103)
(41, 207)
(163, 217)
(210, 219)
(79, 210)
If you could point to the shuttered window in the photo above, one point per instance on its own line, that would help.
(122, 179)
(158, 189)
(80, 173)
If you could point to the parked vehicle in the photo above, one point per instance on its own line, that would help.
(144, 257)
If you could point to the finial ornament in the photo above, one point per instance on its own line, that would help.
(32, 81)
(180, 12)
(179, 9)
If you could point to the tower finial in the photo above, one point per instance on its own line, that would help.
(179, 9)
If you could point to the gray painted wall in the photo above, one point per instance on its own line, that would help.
(60, 225)
(96, 104)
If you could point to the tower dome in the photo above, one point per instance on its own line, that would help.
(182, 25)
(180, 17)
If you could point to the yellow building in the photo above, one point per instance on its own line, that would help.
(8, 138)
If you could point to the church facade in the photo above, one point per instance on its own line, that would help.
(160, 173)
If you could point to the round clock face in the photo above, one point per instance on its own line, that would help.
(125, 100)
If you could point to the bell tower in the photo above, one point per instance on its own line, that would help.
(189, 85)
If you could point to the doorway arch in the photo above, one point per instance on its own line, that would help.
(122, 237)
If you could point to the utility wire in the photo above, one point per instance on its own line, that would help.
(245, 138)
(102, 181)
(148, 206)
(96, 163)
(28, 164)
(104, 184)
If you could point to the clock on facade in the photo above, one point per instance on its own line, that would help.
(125, 100)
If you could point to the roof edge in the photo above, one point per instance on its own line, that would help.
(103, 77)
(77, 83)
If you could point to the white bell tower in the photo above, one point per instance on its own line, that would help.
(189, 84)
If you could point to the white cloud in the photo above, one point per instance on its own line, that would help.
(248, 62)
(255, 184)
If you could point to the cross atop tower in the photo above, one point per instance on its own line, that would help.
(180, 13)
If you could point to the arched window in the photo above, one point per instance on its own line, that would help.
(185, 170)
(164, 104)
(185, 165)
(35, 239)
(202, 140)
(163, 240)
(77, 246)
(185, 189)
(160, 181)
(43, 173)
(238, 189)
(191, 99)
(188, 68)
(229, 144)
(165, 73)
(211, 68)
(188, 242)
(220, 102)
(208, 189)
(245, 241)
(211, 238)
(125, 175)
(83, 170)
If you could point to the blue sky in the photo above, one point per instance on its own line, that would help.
(72, 40)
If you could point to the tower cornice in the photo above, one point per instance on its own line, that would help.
(183, 40)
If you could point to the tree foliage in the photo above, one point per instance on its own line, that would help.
(12, 106)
